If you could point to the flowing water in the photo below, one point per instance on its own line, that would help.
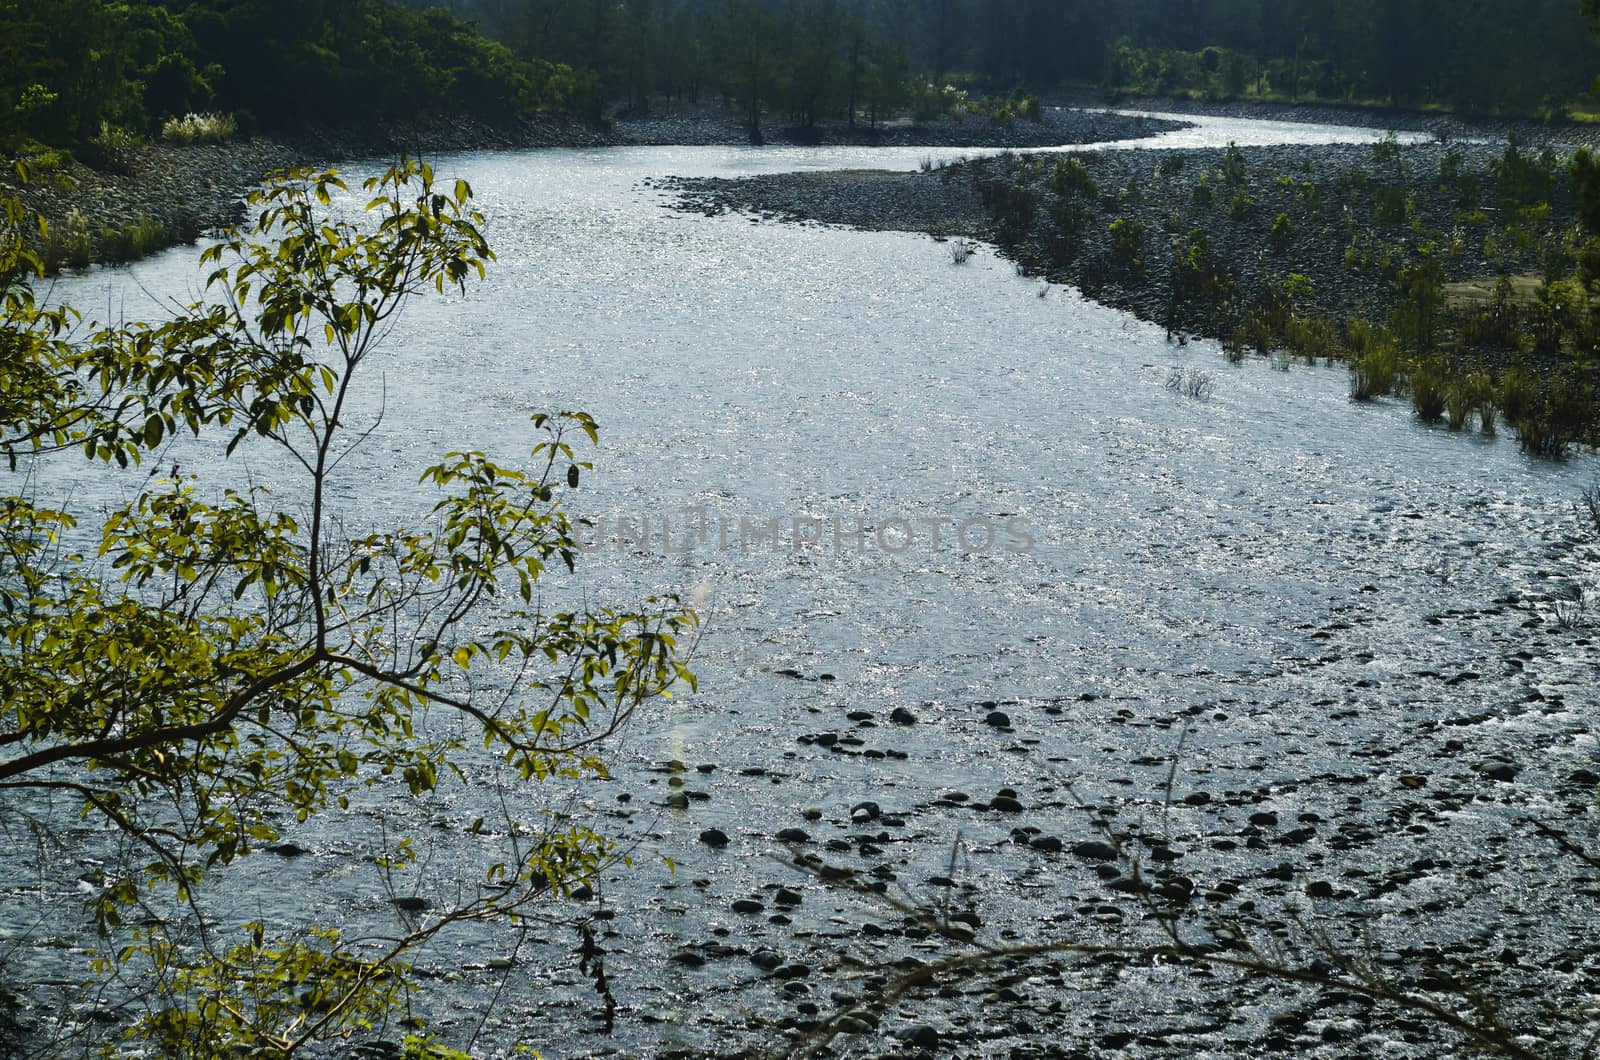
(986, 500)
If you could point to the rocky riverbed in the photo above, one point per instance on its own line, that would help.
(1328, 192)
(1056, 127)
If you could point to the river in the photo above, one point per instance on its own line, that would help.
(986, 500)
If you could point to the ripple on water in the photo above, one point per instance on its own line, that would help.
(1289, 584)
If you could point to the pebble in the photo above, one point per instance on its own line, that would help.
(863, 812)
(714, 837)
(1095, 850)
(1504, 772)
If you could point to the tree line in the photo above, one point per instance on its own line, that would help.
(70, 68)
(1475, 55)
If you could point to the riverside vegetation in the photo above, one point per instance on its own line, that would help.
(1463, 275)
(206, 661)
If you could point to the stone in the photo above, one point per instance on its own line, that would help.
(1095, 850)
(862, 812)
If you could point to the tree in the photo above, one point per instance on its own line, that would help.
(222, 664)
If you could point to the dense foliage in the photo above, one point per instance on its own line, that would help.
(1473, 54)
(206, 663)
(67, 66)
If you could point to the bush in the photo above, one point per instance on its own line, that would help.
(1375, 362)
(1282, 231)
(132, 242)
(1521, 179)
(1127, 242)
(930, 102)
(1233, 167)
(1192, 382)
(1390, 206)
(1310, 337)
(1481, 390)
(1518, 396)
(199, 129)
(1428, 389)
(1589, 509)
(69, 243)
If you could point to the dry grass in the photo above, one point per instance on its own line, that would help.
(1480, 293)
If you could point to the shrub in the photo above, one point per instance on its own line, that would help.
(77, 245)
(199, 129)
(1198, 273)
(1481, 390)
(1070, 179)
(1458, 403)
(1450, 164)
(1428, 386)
(929, 102)
(1255, 332)
(1548, 428)
(1390, 206)
(1310, 197)
(1282, 231)
(1589, 508)
(1375, 362)
(1386, 152)
(1192, 382)
(1584, 171)
(132, 242)
(1233, 168)
(1521, 179)
(960, 252)
(116, 138)
(1127, 241)
(1310, 337)
(1518, 396)
(1240, 205)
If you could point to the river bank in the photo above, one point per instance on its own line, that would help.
(1438, 124)
(1280, 249)
(145, 198)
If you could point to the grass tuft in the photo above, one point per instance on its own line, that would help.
(200, 129)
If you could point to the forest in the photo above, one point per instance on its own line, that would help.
(71, 68)
(1471, 55)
